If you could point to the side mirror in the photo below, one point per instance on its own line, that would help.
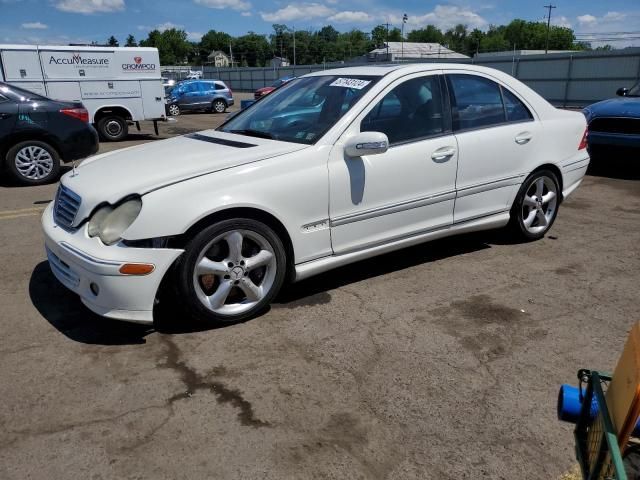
(366, 143)
(622, 92)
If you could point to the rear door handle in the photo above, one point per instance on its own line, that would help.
(443, 154)
(523, 138)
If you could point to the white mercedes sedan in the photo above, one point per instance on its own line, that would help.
(331, 168)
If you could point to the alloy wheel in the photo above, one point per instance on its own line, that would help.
(234, 272)
(34, 162)
(539, 205)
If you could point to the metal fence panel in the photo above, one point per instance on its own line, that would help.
(565, 79)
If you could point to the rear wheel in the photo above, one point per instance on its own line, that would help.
(174, 110)
(231, 270)
(536, 205)
(219, 106)
(113, 128)
(33, 162)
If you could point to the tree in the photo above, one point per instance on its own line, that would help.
(131, 41)
(171, 44)
(113, 41)
(428, 34)
(211, 41)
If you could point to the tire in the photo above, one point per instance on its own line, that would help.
(218, 106)
(113, 128)
(531, 219)
(173, 110)
(33, 162)
(242, 266)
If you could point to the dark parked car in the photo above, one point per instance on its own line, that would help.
(211, 95)
(37, 133)
(261, 92)
(615, 121)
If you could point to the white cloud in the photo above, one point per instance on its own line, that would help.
(297, 12)
(351, 17)
(221, 4)
(167, 26)
(194, 36)
(614, 17)
(443, 17)
(585, 20)
(34, 26)
(246, 14)
(90, 6)
(561, 22)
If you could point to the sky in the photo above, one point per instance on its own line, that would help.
(83, 21)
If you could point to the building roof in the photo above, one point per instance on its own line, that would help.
(215, 53)
(417, 50)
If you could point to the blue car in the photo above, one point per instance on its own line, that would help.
(616, 121)
(210, 95)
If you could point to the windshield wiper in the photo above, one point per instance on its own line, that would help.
(253, 133)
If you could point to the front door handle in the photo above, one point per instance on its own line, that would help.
(523, 138)
(443, 154)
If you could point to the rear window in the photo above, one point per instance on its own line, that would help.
(19, 94)
(220, 86)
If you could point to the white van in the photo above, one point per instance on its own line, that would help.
(118, 86)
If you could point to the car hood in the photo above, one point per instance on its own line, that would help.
(138, 170)
(616, 107)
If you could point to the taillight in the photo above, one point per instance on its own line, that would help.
(230, 91)
(583, 142)
(79, 113)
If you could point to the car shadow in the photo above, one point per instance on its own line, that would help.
(65, 312)
(615, 162)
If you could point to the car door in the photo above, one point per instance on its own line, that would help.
(407, 190)
(191, 96)
(8, 116)
(497, 138)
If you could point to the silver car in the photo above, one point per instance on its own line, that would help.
(191, 95)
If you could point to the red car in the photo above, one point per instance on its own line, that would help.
(261, 92)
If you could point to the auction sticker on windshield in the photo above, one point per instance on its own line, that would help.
(356, 83)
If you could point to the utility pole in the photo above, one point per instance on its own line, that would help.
(404, 20)
(294, 47)
(549, 7)
(231, 54)
(387, 39)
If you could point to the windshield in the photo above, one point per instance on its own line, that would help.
(19, 94)
(302, 110)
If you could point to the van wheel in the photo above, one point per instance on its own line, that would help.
(219, 106)
(231, 271)
(33, 162)
(113, 128)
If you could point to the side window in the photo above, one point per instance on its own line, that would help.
(476, 102)
(219, 86)
(410, 111)
(192, 87)
(516, 110)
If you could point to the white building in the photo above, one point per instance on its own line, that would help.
(277, 62)
(410, 51)
(219, 59)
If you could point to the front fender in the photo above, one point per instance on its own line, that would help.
(291, 188)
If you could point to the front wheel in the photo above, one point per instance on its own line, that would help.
(219, 106)
(231, 270)
(536, 205)
(33, 162)
(174, 110)
(113, 128)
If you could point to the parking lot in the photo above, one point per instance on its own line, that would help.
(439, 361)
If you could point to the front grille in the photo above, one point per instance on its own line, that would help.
(615, 125)
(66, 207)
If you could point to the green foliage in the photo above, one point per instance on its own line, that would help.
(329, 45)
(113, 41)
(131, 41)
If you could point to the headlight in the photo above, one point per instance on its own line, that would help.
(109, 223)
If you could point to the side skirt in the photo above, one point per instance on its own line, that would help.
(314, 267)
